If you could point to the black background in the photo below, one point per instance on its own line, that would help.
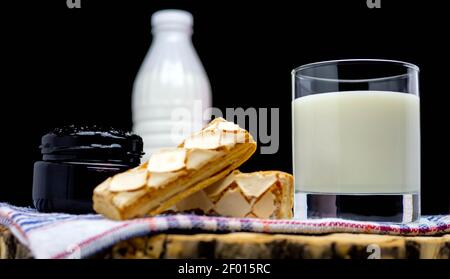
(65, 66)
(169, 268)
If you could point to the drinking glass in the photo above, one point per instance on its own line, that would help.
(356, 140)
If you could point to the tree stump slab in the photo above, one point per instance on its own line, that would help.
(242, 245)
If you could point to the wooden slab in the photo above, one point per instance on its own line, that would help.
(260, 246)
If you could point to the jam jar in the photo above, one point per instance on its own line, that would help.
(75, 159)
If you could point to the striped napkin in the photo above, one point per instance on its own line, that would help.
(57, 235)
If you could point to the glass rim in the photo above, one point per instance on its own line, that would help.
(409, 66)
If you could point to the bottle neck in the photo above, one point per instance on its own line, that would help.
(172, 34)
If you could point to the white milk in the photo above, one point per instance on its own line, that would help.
(359, 142)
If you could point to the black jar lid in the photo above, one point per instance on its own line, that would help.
(91, 143)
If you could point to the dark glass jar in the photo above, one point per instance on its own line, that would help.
(75, 160)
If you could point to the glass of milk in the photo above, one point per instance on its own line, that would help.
(356, 140)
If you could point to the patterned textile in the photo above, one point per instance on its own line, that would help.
(56, 235)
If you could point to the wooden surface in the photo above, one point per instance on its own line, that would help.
(260, 246)
(10, 248)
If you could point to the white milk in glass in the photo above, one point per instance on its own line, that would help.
(357, 142)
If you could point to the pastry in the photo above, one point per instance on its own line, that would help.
(172, 174)
(264, 194)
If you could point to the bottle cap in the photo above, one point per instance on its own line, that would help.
(169, 19)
